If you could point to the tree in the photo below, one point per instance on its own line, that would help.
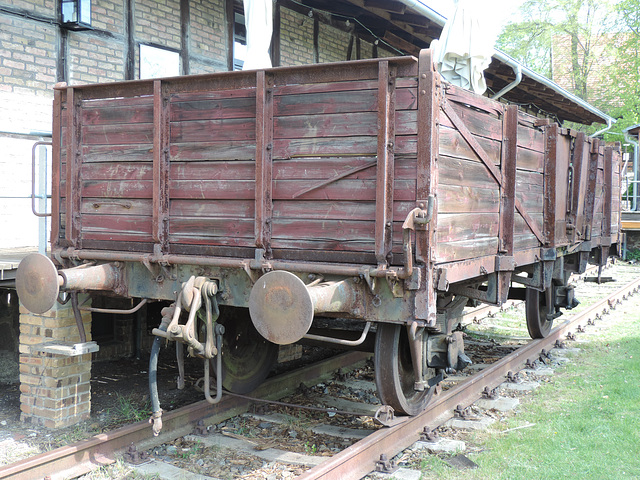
(561, 39)
(623, 95)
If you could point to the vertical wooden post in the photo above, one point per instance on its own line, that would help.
(74, 161)
(160, 167)
(427, 182)
(264, 166)
(275, 38)
(129, 28)
(550, 160)
(56, 137)
(385, 165)
(316, 35)
(576, 181)
(185, 35)
(590, 200)
(508, 166)
(231, 20)
(607, 196)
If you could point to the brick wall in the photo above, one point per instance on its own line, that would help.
(332, 44)
(208, 49)
(93, 59)
(55, 390)
(296, 38)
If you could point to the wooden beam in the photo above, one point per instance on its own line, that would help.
(401, 43)
(387, 5)
(230, 20)
(185, 35)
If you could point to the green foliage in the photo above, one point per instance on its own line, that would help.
(633, 254)
(131, 409)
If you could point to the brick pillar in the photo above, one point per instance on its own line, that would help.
(55, 388)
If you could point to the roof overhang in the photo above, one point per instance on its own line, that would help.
(409, 25)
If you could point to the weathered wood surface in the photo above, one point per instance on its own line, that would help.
(320, 158)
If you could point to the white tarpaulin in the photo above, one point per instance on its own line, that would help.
(466, 45)
(258, 18)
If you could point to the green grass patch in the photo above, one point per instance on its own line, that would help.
(587, 418)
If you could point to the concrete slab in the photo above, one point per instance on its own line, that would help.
(480, 423)
(520, 387)
(477, 367)
(341, 432)
(542, 371)
(400, 474)
(501, 404)
(563, 352)
(442, 445)
(348, 405)
(166, 471)
(268, 455)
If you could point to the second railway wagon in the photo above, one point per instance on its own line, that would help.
(260, 201)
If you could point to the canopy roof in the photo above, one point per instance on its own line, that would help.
(408, 26)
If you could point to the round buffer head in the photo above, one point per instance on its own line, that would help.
(37, 283)
(280, 307)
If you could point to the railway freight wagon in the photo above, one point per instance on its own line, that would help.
(261, 201)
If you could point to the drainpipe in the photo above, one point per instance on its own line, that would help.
(629, 139)
(517, 69)
(609, 125)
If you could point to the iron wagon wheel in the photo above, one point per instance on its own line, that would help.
(539, 307)
(247, 357)
(394, 371)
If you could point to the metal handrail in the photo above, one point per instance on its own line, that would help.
(33, 179)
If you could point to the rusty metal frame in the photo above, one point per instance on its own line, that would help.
(385, 165)
(264, 160)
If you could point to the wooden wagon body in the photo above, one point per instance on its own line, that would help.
(363, 190)
(323, 169)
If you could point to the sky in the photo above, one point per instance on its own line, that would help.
(505, 11)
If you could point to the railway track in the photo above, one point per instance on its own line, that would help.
(355, 461)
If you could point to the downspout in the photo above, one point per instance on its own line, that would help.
(517, 69)
(609, 125)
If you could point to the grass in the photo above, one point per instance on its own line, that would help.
(587, 419)
(131, 408)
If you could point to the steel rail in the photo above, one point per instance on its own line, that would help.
(360, 458)
(101, 449)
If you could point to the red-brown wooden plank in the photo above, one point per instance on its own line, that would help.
(329, 125)
(117, 153)
(235, 170)
(213, 109)
(232, 129)
(117, 171)
(118, 113)
(212, 208)
(117, 134)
